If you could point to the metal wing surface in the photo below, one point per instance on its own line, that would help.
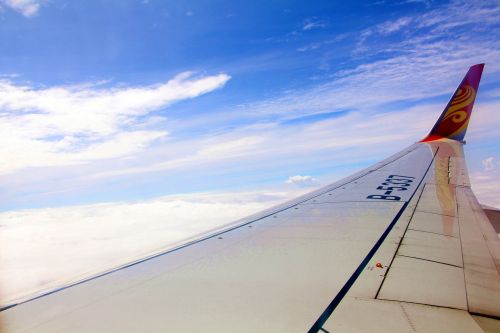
(402, 246)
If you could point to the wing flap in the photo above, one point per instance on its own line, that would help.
(417, 280)
(435, 224)
(369, 315)
(481, 255)
(438, 199)
(432, 247)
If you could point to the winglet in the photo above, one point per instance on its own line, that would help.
(452, 123)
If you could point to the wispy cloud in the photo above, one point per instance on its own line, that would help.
(27, 8)
(488, 163)
(75, 124)
(313, 23)
(424, 2)
(323, 43)
(434, 26)
(263, 144)
(393, 26)
(222, 148)
(434, 45)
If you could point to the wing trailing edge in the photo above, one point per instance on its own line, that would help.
(453, 122)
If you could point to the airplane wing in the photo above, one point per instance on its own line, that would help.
(402, 246)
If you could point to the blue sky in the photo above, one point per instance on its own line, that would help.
(104, 101)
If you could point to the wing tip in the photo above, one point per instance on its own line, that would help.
(453, 122)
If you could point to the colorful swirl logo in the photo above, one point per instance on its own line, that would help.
(462, 99)
(458, 112)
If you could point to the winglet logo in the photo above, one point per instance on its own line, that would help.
(456, 118)
(453, 121)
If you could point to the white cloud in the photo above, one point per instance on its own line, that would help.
(89, 110)
(9, 76)
(302, 181)
(488, 164)
(313, 23)
(327, 42)
(27, 8)
(45, 248)
(424, 2)
(393, 26)
(74, 124)
(309, 47)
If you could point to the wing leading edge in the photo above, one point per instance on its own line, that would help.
(402, 246)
